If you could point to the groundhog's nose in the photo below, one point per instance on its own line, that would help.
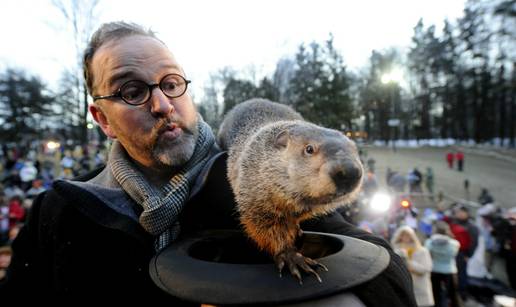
(346, 176)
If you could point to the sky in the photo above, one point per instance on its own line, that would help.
(206, 36)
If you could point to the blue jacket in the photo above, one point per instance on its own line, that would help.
(443, 250)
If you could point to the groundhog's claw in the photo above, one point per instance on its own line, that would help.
(312, 262)
(296, 261)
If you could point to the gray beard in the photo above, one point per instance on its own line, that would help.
(175, 154)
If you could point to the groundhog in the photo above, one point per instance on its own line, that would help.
(284, 170)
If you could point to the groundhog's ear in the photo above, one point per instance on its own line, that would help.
(281, 139)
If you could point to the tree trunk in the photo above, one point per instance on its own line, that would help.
(447, 110)
(84, 136)
(512, 122)
(502, 96)
(487, 108)
(461, 112)
(477, 110)
(425, 110)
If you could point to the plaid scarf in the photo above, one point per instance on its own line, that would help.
(161, 209)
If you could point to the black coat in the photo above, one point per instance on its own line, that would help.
(73, 246)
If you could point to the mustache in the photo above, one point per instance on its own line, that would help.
(163, 123)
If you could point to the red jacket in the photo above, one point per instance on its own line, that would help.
(462, 235)
(16, 212)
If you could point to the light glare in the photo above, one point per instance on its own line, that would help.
(51, 145)
(394, 76)
(380, 202)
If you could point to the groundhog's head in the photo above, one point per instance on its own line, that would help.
(323, 165)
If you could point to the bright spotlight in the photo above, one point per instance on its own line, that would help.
(51, 145)
(405, 203)
(380, 202)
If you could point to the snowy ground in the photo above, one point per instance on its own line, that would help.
(484, 168)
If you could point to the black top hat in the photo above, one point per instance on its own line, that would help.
(223, 267)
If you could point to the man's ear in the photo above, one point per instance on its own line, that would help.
(100, 118)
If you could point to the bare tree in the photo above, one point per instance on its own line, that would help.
(80, 18)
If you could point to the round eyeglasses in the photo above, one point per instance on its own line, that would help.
(137, 92)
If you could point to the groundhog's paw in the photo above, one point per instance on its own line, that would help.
(296, 261)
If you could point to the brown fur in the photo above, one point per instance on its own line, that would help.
(276, 183)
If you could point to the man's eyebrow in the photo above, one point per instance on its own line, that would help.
(126, 74)
(120, 75)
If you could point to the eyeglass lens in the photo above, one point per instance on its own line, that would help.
(138, 92)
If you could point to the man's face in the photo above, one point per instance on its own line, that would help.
(161, 132)
(461, 215)
(5, 260)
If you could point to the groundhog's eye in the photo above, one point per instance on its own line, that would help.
(309, 149)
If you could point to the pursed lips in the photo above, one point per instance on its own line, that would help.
(171, 131)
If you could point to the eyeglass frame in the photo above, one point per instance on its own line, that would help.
(118, 93)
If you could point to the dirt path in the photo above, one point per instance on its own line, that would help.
(482, 171)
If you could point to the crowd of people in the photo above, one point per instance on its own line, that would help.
(457, 256)
(26, 173)
(450, 248)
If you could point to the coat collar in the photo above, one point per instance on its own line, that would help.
(99, 196)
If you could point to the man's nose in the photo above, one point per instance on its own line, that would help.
(161, 105)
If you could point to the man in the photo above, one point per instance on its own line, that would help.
(415, 177)
(165, 177)
(459, 156)
(467, 234)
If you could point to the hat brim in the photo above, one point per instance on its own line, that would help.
(222, 267)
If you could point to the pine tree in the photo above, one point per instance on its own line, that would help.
(320, 86)
(25, 106)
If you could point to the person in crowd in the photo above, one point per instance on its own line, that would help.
(12, 157)
(4, 220)
(466, 189)
(12, 187)
(419, 263)
(396, 181)
(370, 184)
(465, 231)
(165, 178)
(443, 249)
(459, 156)
(13, 233)
(47, 175)
(67, 165)
(477, 265)
(5, 260)
(449, 159)
(16, 211)
(429, 181)
(36, 189)
(440, 206)
(415, 178)
(504, 229)
(371, 163)
(485, 197)
(98, 160)
(27, 174)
